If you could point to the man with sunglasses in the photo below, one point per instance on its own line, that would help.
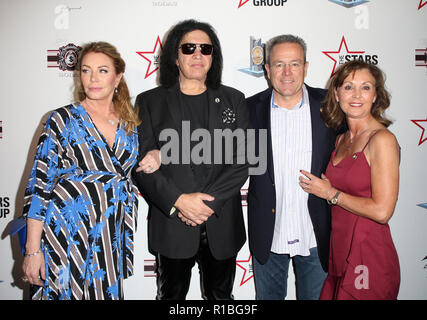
(195, 208)
(284, 222)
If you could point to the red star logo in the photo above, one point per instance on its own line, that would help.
(422, 4)
(153, 54)
(422, 139)
(246, 265)
(242, 2)
(341, 54)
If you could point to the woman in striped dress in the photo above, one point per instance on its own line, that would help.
(80, 201)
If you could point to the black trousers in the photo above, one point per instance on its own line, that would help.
(216, 276)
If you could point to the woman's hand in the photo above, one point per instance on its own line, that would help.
(34, 269)
(312, 184)
(151, 162)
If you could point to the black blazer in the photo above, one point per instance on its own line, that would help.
(262, 193)
(160, 109)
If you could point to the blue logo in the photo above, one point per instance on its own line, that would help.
(349, 3)
(422, 205)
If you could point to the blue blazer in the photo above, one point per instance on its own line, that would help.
(262, 192)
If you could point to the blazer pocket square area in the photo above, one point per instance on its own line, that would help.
(228, 116)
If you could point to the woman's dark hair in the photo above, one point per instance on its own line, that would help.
(169, 72)
(331, 111)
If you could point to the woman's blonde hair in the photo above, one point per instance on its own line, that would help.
(121, 97)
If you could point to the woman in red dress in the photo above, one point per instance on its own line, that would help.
(361, 183)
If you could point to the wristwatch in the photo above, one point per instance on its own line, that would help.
(334, 199)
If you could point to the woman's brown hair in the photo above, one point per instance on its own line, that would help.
(121, 97)
(331, 111)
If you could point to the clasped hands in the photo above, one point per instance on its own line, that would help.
(192, 210)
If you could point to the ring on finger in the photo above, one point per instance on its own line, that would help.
(24, 278)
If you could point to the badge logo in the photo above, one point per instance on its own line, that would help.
(256, 58)
(65, 58)
(349, 3)
(152, 57)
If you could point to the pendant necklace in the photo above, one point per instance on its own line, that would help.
(354, 138)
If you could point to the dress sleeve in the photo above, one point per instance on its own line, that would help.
(44, 172)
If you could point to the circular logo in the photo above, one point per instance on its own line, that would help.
(68, 56)
(257, 55)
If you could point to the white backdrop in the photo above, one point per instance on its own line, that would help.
(387, 32)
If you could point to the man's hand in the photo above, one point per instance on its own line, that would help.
(192, 207)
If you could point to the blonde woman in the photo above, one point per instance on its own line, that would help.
(80, 202)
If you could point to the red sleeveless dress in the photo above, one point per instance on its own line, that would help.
(363, 262)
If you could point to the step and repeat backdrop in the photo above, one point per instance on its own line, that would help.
(40, 40)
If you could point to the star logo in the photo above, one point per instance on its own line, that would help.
(153, 56)
(341, 54)
(422, 4)
(417, 123)
(246, 265)
(242, 2)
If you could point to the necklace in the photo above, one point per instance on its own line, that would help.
(95, 112)
(355, 137)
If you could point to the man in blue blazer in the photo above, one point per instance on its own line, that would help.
(284, 222)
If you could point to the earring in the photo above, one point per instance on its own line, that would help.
(116, 90)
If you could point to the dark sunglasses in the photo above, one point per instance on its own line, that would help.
(189, 48)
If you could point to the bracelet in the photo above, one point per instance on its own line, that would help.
(327, 193)
(32, 254)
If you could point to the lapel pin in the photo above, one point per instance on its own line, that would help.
(228, 116)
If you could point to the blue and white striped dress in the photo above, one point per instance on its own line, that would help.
(83, 192)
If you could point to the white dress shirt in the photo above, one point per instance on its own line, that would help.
(292, 147)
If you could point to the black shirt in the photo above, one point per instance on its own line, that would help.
(195, 108)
